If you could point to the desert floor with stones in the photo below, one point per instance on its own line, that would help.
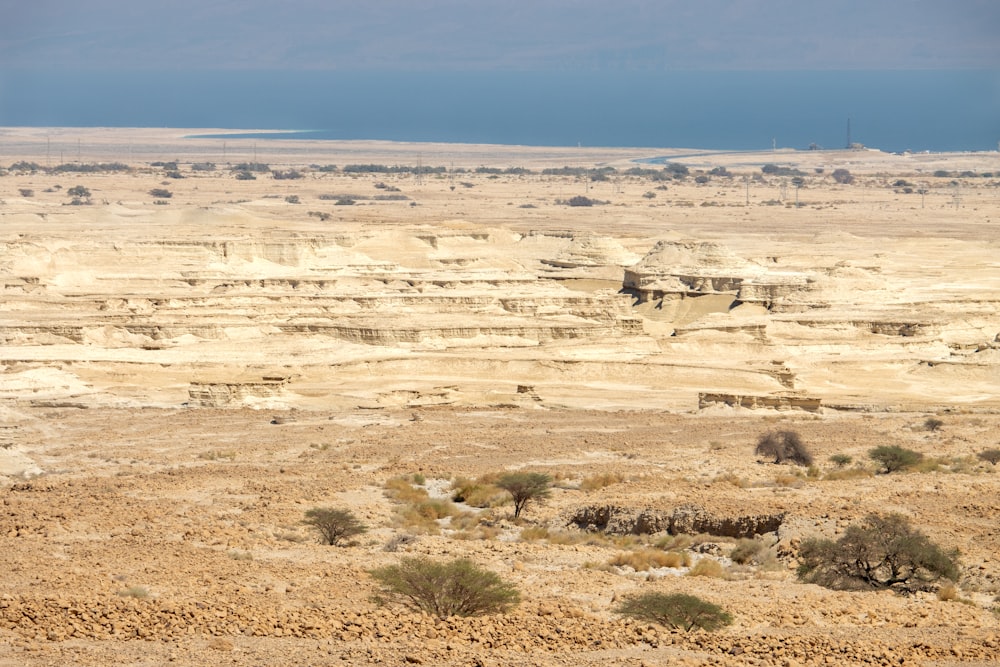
(192, 358)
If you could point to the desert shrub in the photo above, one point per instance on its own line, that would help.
(840, 460)
(893, 458)
(443, 589)
(401, 489)
(292, 199)
(481, 492)
(883, 552)
(783, 446)
(435, 508)
(244, 175)
(649, 195)
(719, 171)
(319, 214)
(707, 567)
(525, 487)
(27, 192)
(344, 202)
(642, 560)
(203, 166)
(334, 525)
(676, 610)
(789, 481)
(161, 193)
(23, 165)
(78, 191)
(291, 174)
(701, 179)
(933, 424)
(90, 168)
(747, 551)
(989, 455)
(258, 167)
(842, 176)
(580, 200)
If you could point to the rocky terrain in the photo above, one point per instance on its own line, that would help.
(191, 359)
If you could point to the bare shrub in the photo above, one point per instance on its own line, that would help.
(989, 455)
(783, 446)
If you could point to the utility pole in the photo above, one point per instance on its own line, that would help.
(746, 180)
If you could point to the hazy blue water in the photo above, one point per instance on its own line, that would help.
(923, 110)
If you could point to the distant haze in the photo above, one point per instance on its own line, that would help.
(500, 34)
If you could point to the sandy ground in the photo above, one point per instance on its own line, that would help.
(184, 376)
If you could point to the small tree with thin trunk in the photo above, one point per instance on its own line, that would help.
(334, 525)
(525, 487)
(675, 611)
(894, 458)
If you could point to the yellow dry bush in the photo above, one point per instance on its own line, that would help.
(642, 560)
(400, 488)
(789, 481)
(464, 521)
(706, 567)
(732, 479)
(847, 474)
(435, 509)
(480, 492)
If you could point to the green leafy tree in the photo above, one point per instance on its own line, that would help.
(893, 458)
(675, 611)
(442, 589)
(525, 487)
(883, 552)
(334, 525)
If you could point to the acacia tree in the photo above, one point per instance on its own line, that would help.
(893, 457)
(675, 611)
(883, 552)
(524, 487)
(453, 588)
(334, 525)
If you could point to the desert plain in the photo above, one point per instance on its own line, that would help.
(214, 335)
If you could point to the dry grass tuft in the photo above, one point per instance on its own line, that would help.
(706, 567)
(643, 560)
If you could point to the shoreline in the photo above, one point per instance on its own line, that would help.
(57, 145)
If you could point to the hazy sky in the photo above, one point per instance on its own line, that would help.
(500, 34)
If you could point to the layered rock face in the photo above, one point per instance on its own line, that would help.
(415, 316)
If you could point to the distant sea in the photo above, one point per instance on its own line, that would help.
(889, 110)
